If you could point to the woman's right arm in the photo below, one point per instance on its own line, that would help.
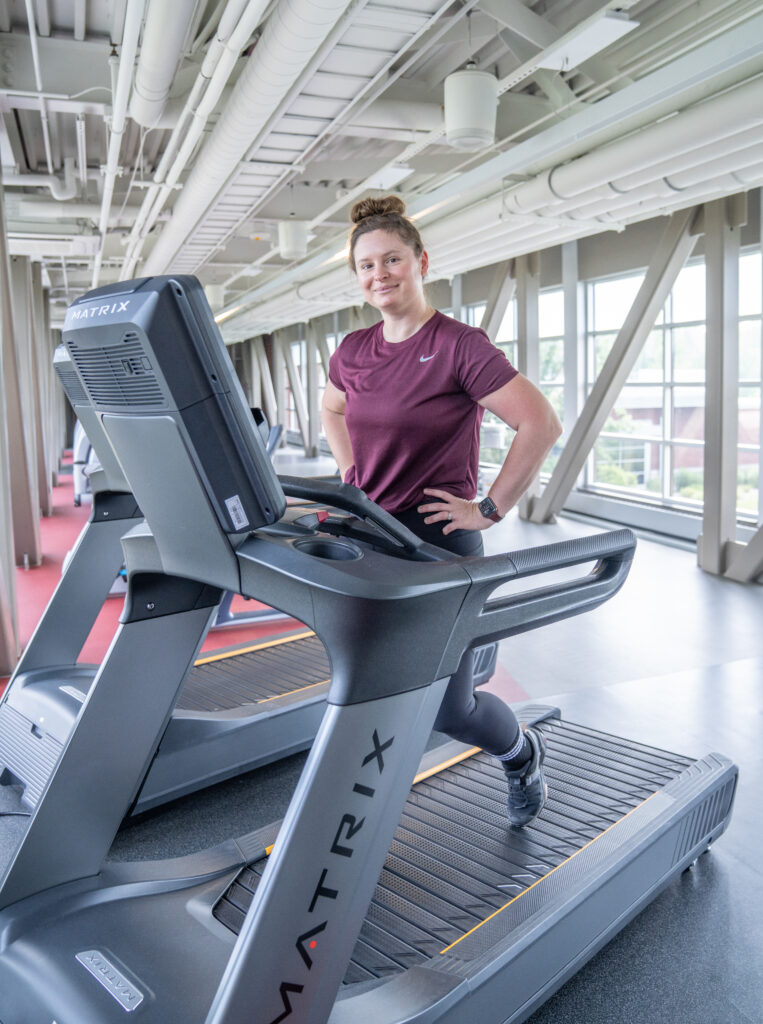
(334, 423)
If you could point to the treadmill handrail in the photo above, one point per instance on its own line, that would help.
(483, 619)
(350, 499)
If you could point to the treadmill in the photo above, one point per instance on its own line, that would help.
(240, 708)
(393, 890)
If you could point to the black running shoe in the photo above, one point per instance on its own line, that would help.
(527, 787)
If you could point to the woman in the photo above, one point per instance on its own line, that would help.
(402, 413)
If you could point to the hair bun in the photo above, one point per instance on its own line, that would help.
(376, 206)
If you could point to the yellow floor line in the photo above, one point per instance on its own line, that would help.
(254, 647)
(521, 894)
(290, 693)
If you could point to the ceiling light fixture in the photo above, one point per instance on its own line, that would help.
(471, 103)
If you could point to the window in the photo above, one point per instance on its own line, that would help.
(496, 437)
(332, 341)
(551, 357)
(651, 445)
(750, 377)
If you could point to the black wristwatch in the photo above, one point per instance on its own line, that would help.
(489, 510)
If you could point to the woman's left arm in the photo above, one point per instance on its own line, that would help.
(527, 411)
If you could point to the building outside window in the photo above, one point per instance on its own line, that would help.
(652, 446)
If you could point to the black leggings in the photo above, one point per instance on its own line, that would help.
(475, 717)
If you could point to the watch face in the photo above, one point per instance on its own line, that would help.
(487, 507)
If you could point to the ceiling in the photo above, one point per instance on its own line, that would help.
(148, 137)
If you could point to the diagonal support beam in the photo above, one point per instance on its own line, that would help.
(298, 392)
(313, 405)
(745, 562)
(502, 288)
(673, 250)
(267, 391)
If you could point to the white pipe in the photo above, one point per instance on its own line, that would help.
(59, 190)
(333, 289)
(289, 40)
(245, 13)
(133, 21)
(38, 83)
(82, 149)
(165, 32)
(27, 208)
(712, 120)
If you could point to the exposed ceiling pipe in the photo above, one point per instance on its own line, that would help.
(239, 20)
(711, 121)
(27, 208)
(133, 21)
(82, 149)
(289, 40)
(61, 190)
(165, 33)
(38, 83)
(512, 237)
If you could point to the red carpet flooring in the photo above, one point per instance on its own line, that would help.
(34, 587)
(58, 534)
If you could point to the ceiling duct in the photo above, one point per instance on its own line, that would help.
(291, 38)
(164, 34)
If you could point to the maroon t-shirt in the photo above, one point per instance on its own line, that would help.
(412, 411)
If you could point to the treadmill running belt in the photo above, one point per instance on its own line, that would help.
(255, 674)
(454, 862)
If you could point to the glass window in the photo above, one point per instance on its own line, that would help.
(688, 345)
(551, 313)
(687, 299)
(611, 299)
(749, 350)
(687, 474)
(750, 283)
(688, 413)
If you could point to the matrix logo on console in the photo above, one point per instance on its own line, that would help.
(93, 311)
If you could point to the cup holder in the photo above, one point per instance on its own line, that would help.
(334, 550)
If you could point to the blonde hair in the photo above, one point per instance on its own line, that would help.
(386, 213)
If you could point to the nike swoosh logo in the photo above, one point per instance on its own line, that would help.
(425, 359)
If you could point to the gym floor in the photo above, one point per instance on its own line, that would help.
(674, 660)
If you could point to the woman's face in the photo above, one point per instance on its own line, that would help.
(389, 272)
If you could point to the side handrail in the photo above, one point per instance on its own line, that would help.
(483, 619)
(350, 499)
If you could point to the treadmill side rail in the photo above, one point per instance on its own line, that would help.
(518, 958)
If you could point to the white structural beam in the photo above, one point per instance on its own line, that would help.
(297, 389)
(16, 378)
(673, 250)
(574, 337)
(527, 276)
(722, 229)
(267, 391)
(502, 289)
(41, 359)
(745, 562)
(9, 638)
(313, 407)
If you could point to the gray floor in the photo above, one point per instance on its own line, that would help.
(675, 660)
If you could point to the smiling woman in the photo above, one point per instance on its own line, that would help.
(402, 414)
